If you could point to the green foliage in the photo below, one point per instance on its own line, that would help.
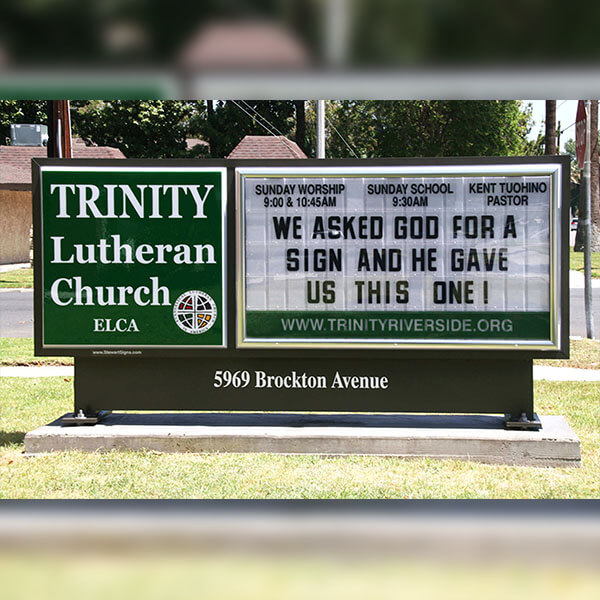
(570, 150)
(429, 128)
(228, 122)
(534, 147)
(139, 128)
(21, 111)
(158, 129)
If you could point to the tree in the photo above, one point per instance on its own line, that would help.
(428, 128)
(570, 150)
(575, 176)
(139, 128)
(300, 124)
(229, 121)
(20, 111)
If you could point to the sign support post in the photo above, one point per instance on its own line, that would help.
(587, 224)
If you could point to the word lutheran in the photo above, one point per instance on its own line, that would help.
(121, 201)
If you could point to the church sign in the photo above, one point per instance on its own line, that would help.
(390, 285)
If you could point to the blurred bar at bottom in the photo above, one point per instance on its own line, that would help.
(279, 550)
(536, 533)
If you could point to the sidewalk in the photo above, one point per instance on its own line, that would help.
(565, 374)
(577, 281)
(36, 371)
(14, 267)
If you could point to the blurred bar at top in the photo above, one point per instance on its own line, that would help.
(160, 48)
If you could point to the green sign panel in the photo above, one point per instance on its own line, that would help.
(132, 257)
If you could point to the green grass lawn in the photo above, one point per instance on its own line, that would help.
(268, 575)
(22, 278)
(576, 262)
(585, 354)
(28, 403)
(19, 351)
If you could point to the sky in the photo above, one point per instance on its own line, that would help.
(565, 114)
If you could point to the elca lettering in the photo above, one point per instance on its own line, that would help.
(117, 326)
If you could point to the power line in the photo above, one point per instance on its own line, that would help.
(282, 137)
(571, 125)
(269, 127)
(270, 132)
(342, 138)
(263, 118)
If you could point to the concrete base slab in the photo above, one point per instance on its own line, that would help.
(464, 437)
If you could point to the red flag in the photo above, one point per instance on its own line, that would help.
(580, 121)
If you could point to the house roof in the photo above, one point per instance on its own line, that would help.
(267, 146)
(192, 142)
(15, 161)
(242, 45)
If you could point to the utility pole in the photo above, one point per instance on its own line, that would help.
(320, 128)
(59, 129)
(587, 223)
(550, 144)
(337, 17)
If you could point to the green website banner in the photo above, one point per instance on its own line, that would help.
(133, 256)
(362, 326)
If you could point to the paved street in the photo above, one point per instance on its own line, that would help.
(16, 313)
(578, 314)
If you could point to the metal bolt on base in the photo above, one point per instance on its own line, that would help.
(82, 419)
(523, 423)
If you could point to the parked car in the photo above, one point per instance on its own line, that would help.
(574, 222)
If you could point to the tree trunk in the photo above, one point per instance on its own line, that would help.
(51, 149)
(300, 124)
(550, 145)
(210, 113)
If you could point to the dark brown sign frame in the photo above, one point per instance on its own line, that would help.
(419, 380)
